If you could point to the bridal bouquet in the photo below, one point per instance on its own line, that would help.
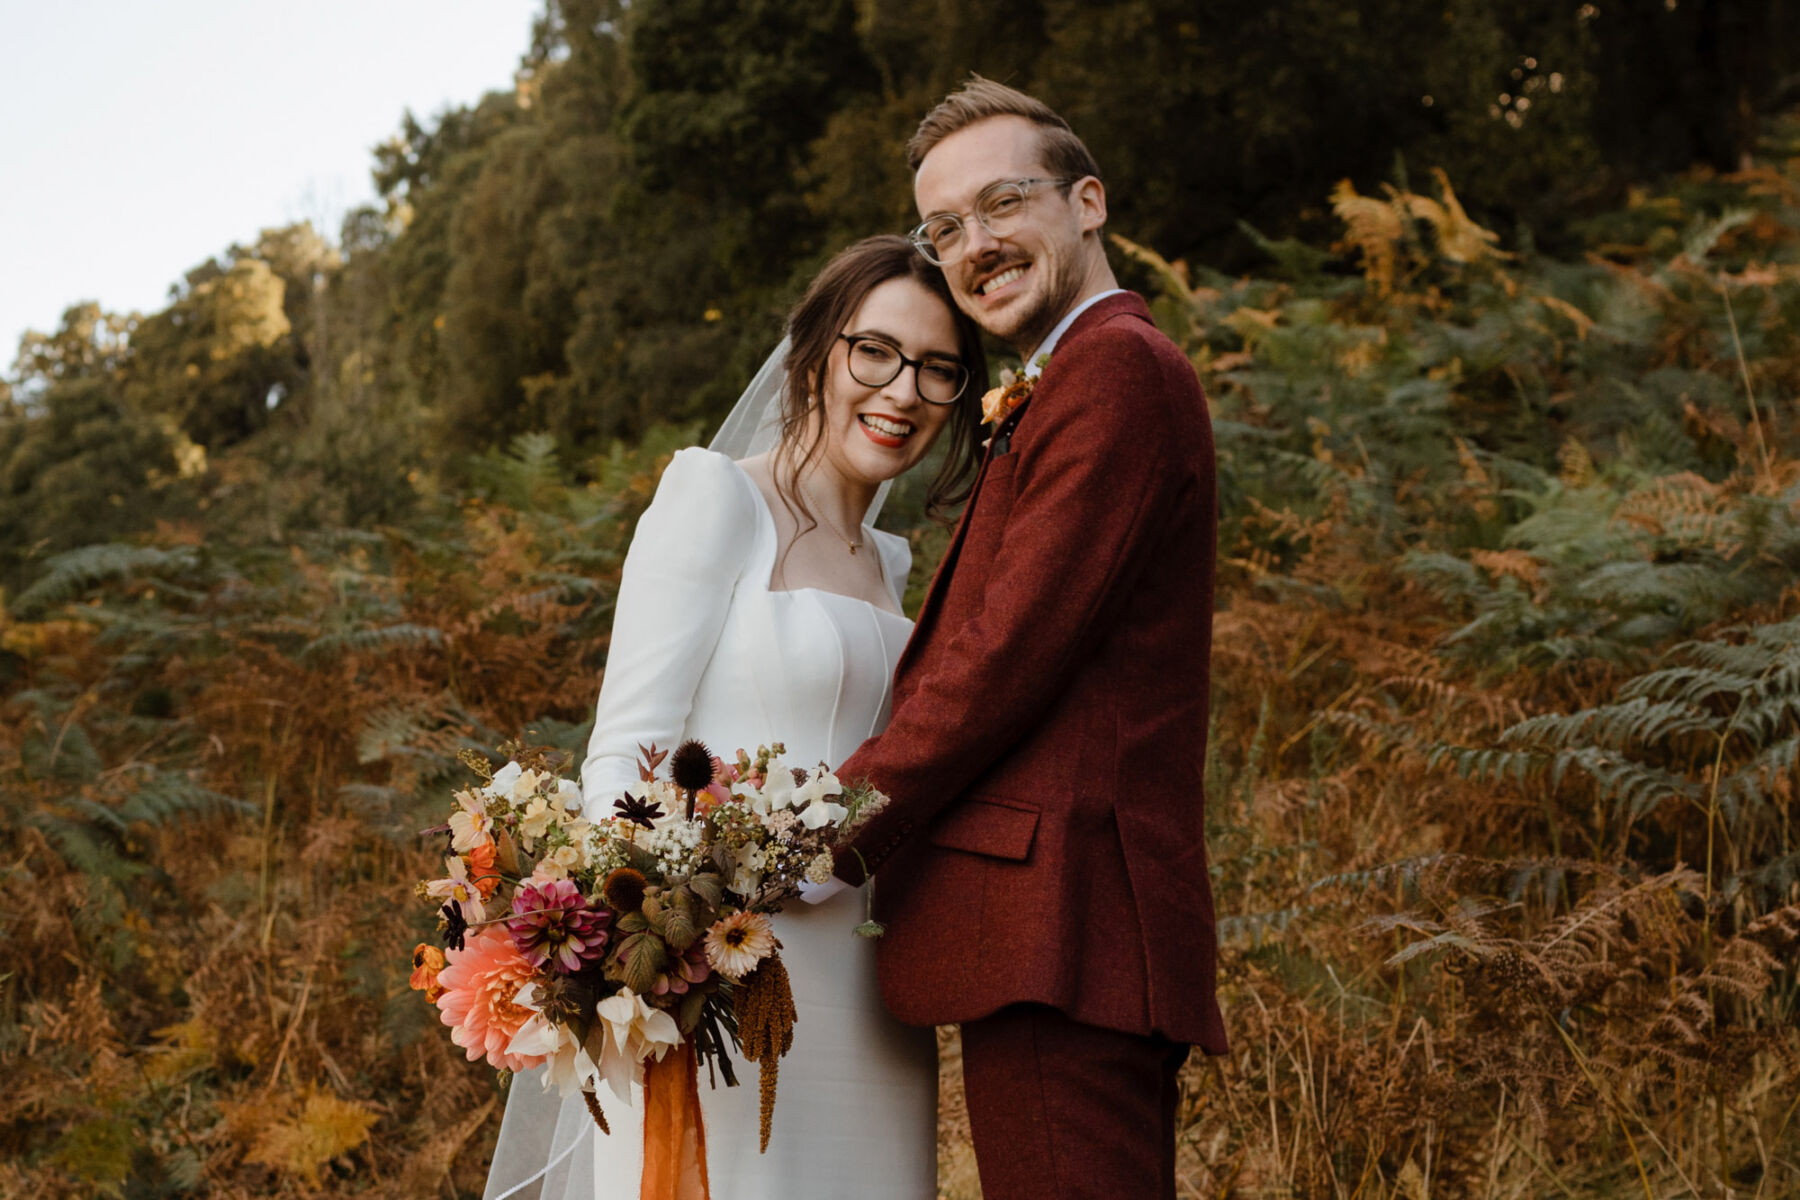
(631, 946)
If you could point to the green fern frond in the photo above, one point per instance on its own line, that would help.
(1692, 685)
(73, 573)
(169, 796)
(1638, 722)
(388, 638)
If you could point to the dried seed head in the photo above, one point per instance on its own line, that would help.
(691, 766)
(624, 890)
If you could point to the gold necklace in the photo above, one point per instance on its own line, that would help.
(832, 525)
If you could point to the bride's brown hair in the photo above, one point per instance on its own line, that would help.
(832, 298)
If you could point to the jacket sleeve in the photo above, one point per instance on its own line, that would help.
(689, 551)
(1093, 478)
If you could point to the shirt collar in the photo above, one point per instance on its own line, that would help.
(1048, 345)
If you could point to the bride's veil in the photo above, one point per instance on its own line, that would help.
(542, 1150)
(754, 424)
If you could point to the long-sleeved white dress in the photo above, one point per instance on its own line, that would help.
(702, 647)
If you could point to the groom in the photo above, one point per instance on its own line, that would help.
(1042, 865)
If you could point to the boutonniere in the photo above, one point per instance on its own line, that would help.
(1015, 389)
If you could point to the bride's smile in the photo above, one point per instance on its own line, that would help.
(885, 431)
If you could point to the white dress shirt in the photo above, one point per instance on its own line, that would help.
(1048, 345)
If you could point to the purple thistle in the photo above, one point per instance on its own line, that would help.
(555, 924)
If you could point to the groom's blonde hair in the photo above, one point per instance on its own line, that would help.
(1062, 152)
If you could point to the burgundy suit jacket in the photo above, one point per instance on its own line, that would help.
(1045, 841)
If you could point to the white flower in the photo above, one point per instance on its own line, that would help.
(747, 869)
(469, 824)
(501, 784)
(527, 785)
(536, 819)
(578, 829)
(567, 1066)
(568, 794)
(634, 1032)
(778, 787)
(560, 863)
(819, 810)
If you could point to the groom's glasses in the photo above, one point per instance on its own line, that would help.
(877, 363)
(1000, 207)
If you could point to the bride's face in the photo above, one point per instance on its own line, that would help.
(875, 433)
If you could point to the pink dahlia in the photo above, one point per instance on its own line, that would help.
(555, 923)
(479, 983)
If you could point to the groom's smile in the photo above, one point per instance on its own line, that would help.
(994, 284)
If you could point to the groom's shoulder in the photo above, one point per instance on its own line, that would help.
(1117, 342)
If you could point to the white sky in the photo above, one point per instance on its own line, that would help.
(140, 137)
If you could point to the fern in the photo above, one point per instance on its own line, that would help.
(75, 572)
(386, 639)
(170, 796)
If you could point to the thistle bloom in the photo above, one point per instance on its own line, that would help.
(554, 923)
(481, 984)
(735, 944)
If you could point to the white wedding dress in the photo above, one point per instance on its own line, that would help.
(702, 647)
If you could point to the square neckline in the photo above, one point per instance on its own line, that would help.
(767, 517)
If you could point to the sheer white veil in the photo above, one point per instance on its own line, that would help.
(753, 425)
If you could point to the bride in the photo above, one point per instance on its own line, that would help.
(758, 604)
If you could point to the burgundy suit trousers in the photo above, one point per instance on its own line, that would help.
(1066, 1111)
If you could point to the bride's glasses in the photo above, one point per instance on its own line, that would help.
(875, 362)
(1000, 207)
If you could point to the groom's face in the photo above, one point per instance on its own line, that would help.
(1018, 286)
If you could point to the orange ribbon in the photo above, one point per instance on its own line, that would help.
(674, 1136)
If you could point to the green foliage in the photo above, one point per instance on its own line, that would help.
(85, 466)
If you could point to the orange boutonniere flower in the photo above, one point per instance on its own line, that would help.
(998, 403)
(1015, 389)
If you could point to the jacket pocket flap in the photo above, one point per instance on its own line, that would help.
(997, 828)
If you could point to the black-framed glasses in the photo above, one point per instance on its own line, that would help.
(999, 207)
(876, 362)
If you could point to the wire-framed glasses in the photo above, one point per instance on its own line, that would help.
(876, 362)
(999, 207)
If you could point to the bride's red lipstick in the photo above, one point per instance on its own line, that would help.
(879, 437)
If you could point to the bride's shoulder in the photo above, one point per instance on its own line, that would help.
(696, 466)
(706, 500)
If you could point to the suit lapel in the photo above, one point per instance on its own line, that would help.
(940, 582)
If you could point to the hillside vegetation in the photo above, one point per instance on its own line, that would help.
(1506, 735)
